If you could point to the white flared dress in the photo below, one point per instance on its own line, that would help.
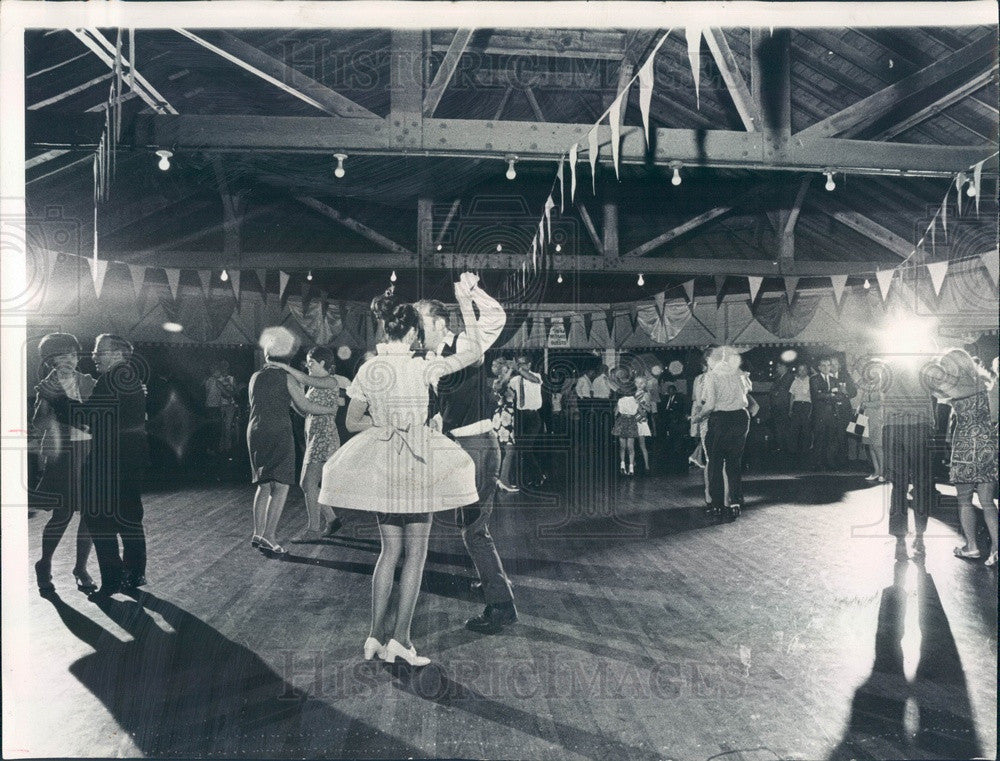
(399, 465)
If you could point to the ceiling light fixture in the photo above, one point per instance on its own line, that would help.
(676, 179)
(830, 184)
(310, 275)
(224, 277)
(339, 171)
(558, 248)
(439, 246)
(511, 171)
(867, 284)
(971, 190)
(559, 278)
(164, 162)
(392, 277)
(640, 281)
(499, 247)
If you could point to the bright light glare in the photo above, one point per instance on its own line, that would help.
(173, 327)
(788, 356)
(908, 335)
(278, 342)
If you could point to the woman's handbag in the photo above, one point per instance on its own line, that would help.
(859, 424)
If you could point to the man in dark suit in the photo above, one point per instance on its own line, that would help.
(781, 408)
(114, 474)
(673, 412)
(831, 402)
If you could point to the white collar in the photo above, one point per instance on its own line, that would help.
(449, 337)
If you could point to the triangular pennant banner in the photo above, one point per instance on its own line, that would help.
(282, 284)
(541, 233)
(884, 278)
(98, 269)
(572, 172)
(944, 213)
(720, 286)
(646, 93)
(633, 318)
(205, 276)
(689, 290)
(588, 324)
(234, 281)
(138, 275)
(567, 322)
(262, 280)
(173, 280)
(549, 206)
(790, 284)
(592, 157)
(959, 182)
(693, 35)
(754, 282)
(838, 282)
(937, 271)
(562, 189)
(991, 261)
(609, 323)
(659, 299)
(977, 182)
(615, 121)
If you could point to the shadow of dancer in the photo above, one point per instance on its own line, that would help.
(192, 692)
(876, 728)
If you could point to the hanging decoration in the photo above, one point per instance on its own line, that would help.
(572, 172)
(262, 280)
(138, 275)
(790, 284)
(689, 290)
(664, 321)
(937, 271)
(283, 278)
(646, 78)
(234, 281)
(754, 282)
(592, 157)
(991, 261)
(838, 282)
(693, 35)
(977, 181)
(173, 280)
(615, 121)
(720, 289)
(562, 189)
(205, 277)
(98, 271)
(549, 206)
(884, 278)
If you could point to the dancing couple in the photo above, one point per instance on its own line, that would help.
(404, 470)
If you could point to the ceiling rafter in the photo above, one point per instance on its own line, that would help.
(353, 225)
(746, 106)
(446, 70)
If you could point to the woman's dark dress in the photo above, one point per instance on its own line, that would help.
(269, 432)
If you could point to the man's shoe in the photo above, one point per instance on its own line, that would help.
(105, 592)
(493, 619)
(132, 581)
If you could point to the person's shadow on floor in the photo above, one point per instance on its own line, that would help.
(944, 725)
(195, 693)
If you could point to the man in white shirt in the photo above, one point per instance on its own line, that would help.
(584, 384)
(527, 386)
(800, 414)
(601, 386)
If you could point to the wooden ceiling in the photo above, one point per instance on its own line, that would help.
(427, 119)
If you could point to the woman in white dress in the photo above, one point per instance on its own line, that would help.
(398, 467)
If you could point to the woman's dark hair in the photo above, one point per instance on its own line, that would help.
(397, 319)
(324, 355)
(57, 344)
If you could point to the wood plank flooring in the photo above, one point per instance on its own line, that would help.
(789, 634)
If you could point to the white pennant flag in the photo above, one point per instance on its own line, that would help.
(549, 206)
(572, 172)
(934, 234)
(283, 283)
(977, 182)
(173, 280)
(694, 55)
(541, 233)
(615, 121)
(689, 289)
(205, 276)
(562, 189)
(262, 280)
(991, 260)
(646, 93)
(98, 269)
(838, 282)
(754, 282)
(234, 281)
(534, 257)
(592, 156)
(944, 214)
(959, 182)
(938, 270)
(884, 278)
(790, 284)
(138, 278)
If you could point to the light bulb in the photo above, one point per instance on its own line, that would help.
(310, 275)
(867, 284)
(971, 190)
(339, 171)
(559, 278)
(676, 179)
(830, 184)
(392, 277)
(558, 248)
(640, 281)
(164, 163)
(439, 246)
(499, 247)
(511, 171)
(224, 277)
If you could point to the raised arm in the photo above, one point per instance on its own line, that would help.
(304, 405)
(479, 334)
(319, 381)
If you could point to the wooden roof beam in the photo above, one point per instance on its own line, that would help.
(871, 112)
(447, 69)
(353, 225)
(867, 227)
(746, 106)
(100, 46)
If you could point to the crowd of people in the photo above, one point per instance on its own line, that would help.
(435, 428)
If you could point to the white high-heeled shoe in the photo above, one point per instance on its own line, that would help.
(395, 650)
(372, 648)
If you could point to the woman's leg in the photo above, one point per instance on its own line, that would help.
(53, 532)
(967, 514)
(275, 506)
(506, 464)
(83, 545)
(879, 457)
(704, 457)
(415, 538)
(621, 451)
(645, 452)
(382, 577)
(987, 493)
(260, 508)
(312, 474)
(630, 448)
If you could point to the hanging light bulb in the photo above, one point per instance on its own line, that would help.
(559, 278)
(310, 275)
(640, 281)
(867, 284)
(511, 171)
(224, 277)
(392, 277)
(439, 246)
(164, 162)
(558, 248)
(499, 247)
(971, 190)
(339, 171)
(676, 179)
(830, 184)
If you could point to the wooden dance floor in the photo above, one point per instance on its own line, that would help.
(792, 633)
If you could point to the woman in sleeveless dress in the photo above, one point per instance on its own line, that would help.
(271, 445)
(63, 444)
(397, 466)
(973, 466)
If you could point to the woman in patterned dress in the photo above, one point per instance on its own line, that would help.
(644, 417)
(503, 421)
(966, 387)
(873, 385)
